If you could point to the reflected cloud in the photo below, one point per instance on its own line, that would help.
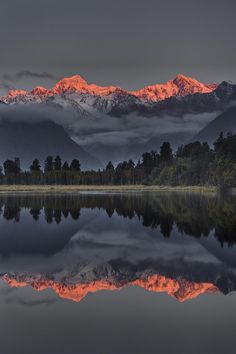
(30, 303)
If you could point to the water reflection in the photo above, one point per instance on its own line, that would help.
(181, 244)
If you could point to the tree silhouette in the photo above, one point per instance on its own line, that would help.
(35, 167)
(12, 166)
(57, 163)
(166, 154)
(110, 166)
(65, 166)
(48, 164)
(75, 165)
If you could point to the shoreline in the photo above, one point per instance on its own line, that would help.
(102, 188)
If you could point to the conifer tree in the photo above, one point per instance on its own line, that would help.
(35, 167)
(65, 166)
(57, 163)
(48, 164)
(75, 165)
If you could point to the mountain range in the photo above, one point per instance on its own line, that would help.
(180, 86)
(110, 122)
(181, 93)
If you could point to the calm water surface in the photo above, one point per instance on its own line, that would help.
(117, 274)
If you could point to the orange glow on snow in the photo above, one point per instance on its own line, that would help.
(14, 93)
(181, 290)
(180, 86)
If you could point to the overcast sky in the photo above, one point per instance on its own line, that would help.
(130, 43)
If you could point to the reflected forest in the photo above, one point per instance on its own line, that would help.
(192, 214)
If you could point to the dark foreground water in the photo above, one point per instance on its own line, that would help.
(117, 274)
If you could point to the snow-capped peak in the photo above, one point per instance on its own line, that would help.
(181, 86)
(70, 84)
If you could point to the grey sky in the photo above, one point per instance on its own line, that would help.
(130, 43)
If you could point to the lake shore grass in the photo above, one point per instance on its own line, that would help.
(102, 188)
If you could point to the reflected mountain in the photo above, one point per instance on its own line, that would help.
(178, 243)
(181, 289)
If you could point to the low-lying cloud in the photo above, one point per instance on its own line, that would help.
(105, 129)
(122, 130)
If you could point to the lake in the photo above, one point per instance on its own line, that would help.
(131, 273)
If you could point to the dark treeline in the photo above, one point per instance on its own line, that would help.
(192, 214)
(192, 164)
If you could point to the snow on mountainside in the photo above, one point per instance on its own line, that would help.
(91, 98)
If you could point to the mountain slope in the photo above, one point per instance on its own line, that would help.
(175, 139)
(30, 140)
(134, 149)
(225, 122)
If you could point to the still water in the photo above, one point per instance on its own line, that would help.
(117, 274)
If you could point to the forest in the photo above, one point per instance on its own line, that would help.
(192, 164)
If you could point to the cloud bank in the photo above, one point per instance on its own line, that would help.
(106, 129)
